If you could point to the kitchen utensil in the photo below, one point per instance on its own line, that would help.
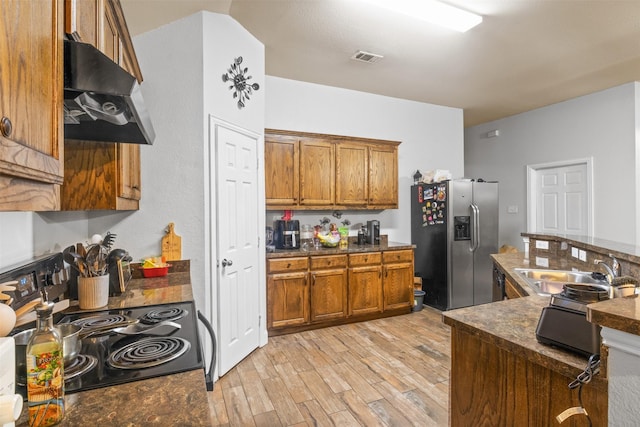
(31, 316)
(7, 319)
(108, 240)
(27, 307)
(101, 324)
(114, 255)
(93, 292)
(6, 288)
(96, 260)
(161, 329)
(71, 343)
(171, 245)
(74, 259)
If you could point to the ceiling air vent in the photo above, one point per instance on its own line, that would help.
(367, 57)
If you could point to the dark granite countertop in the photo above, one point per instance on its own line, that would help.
(171, 400)
(622, 314)
(510, 325)
(352, 248)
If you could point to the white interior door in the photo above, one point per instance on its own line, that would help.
(237, 245)
(561, 199)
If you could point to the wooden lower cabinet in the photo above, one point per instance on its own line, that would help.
(328, 277)
(510, 290)
(490, 386)
(324, 290)
(365, 283)
(287, 292)
(397, 279)
(365, 290)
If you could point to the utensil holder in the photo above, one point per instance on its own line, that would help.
(93, 292)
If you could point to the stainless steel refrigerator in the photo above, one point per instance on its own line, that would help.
(454, 226)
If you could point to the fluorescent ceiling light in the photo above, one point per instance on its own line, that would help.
(434, 12)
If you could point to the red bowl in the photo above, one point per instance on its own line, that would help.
(155, 271)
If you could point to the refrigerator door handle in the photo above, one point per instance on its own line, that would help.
(475, 233)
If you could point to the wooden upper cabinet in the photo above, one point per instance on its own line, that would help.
(113, 169)
(31, 149)
(80, 19)
(319, 171)
(102, 23)
(352, 170)
(383, 176)
(367, 175)
(281, 165)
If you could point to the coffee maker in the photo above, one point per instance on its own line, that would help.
(373, 232)
(286, 234)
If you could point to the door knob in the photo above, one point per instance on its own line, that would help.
(226, 262)
(6, 127)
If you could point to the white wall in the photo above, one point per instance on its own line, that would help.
(173, 167)
(601, 125)
(431, 136)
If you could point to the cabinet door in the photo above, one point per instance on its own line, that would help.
(31, 153)
(110, 38)
(383, 177)
(129, 171)
(317, 173)
(510, 290)
(397, 285)
(80, 18)
(287, 299)
(365, 290)
(328, 294)
(281, 162)
(351, 174)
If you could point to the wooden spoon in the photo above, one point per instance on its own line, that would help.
(27, 307)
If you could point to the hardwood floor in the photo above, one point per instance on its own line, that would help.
(385, 372)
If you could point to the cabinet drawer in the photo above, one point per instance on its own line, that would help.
(287, 264)
(328, 261)
(369, 258)
(397, 256)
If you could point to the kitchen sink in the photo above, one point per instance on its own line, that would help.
(547, 282)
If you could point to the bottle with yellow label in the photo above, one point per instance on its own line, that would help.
(45, 368)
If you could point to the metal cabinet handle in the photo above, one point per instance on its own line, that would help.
(6, 127)
(226, 262)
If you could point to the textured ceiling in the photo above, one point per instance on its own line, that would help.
(526, 54)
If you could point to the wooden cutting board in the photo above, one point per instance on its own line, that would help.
(171, 245)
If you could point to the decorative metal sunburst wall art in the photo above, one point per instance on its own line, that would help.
(241, 86)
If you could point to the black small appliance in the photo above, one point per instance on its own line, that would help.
(563, 323)
(373, 232)
(286, 234)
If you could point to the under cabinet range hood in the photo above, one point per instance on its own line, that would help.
(102, 102)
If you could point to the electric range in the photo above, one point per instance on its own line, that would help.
(109, 358)
(106, 357)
